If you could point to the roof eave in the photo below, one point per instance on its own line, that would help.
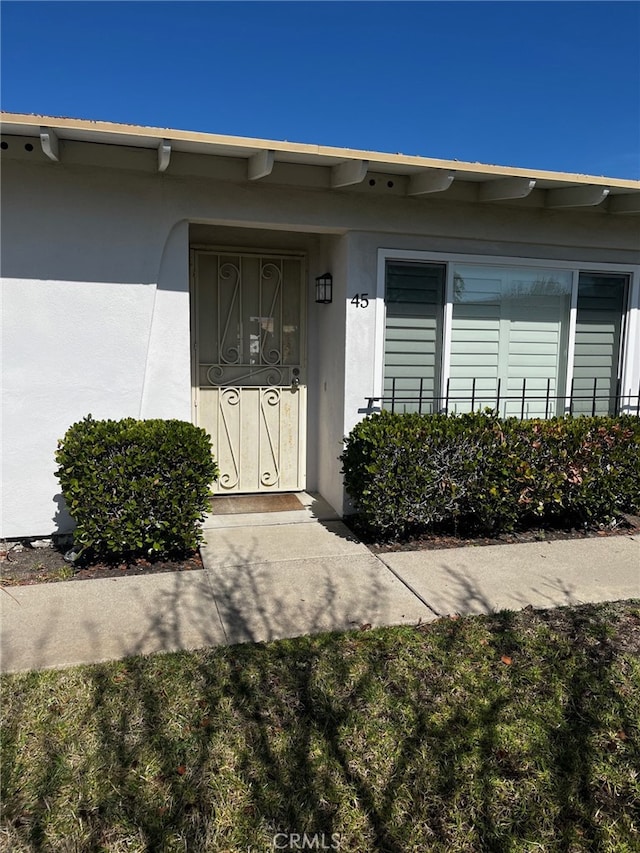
(262, 153)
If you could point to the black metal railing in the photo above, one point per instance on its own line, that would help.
(524, 404)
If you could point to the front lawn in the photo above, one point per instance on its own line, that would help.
(516, 732)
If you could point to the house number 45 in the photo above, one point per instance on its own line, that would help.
(361, 300)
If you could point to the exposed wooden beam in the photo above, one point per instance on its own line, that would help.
(430, 181)
(49, 143)
(164, 155)
(506, 188)
(348, 173)
(626, 203)
(588, 196)
(260, 165)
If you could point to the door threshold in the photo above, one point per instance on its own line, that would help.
(310, 507)
(246, 504)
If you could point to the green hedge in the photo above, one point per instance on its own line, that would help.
(477, 473)
(136, 487)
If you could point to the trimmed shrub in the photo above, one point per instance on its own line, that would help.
(136, 487)
(477, 473)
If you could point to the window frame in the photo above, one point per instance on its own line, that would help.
(439, 325)
(627, 355)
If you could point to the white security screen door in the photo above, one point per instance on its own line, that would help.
(250, 391)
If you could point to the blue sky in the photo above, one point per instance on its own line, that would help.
(542, 85)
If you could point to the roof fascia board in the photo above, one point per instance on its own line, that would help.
(67, 126)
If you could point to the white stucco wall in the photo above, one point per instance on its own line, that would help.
(58, 368)
(95, 319)
(167, 373)
(95, 311)
(329, 356)
(110, 348)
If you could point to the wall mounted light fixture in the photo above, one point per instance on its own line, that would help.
(324, 288)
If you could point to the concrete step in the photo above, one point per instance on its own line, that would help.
(313, 507)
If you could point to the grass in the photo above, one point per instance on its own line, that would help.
(516, 732)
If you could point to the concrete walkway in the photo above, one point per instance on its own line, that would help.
(275, 575)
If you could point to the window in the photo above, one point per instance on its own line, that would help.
(413, 333)
(532, 340)
(509, 331)
(599, 331)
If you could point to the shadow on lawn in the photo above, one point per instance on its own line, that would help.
(236, 749)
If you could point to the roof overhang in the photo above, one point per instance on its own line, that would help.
(346, 167)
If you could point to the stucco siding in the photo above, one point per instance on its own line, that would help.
(95, 319)
(69, 349)
(96, 309)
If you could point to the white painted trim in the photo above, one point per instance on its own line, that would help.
(577, 197)
(193, 342)
(207, 248)
(49, 143)
(423, 183)
(260, 165)
(447, 326)
(631, 346)
(164, 155)
(506, 188)
(380, 319)
(502, 260)
(348, 173)
(571, 341)
(304, 331)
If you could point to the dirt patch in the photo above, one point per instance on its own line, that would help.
(628, 525)
(20, 563)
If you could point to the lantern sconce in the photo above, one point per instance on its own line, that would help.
(324, 288)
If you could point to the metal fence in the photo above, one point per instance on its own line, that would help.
(527, 403)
